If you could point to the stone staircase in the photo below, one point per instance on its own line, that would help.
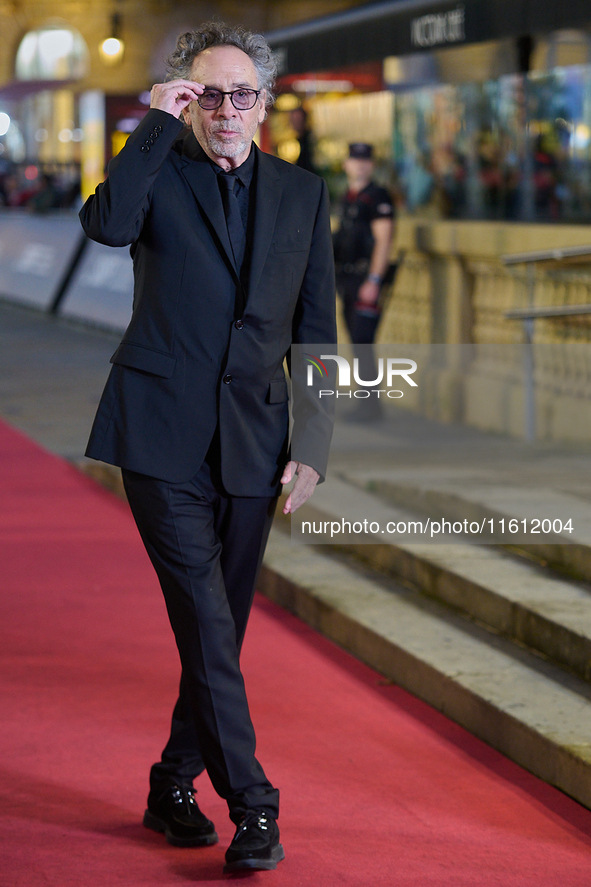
(497, 638)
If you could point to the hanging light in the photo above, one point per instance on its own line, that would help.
(111, 50)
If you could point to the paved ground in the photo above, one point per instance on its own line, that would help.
(51, 377)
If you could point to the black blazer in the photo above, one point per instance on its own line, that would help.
(185, 365)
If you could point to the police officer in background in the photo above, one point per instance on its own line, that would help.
(362, 257)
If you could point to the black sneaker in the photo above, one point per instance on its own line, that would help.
(255, 844)
(175, 813)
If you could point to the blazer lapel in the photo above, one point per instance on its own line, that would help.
(203, 183)
(268, 198)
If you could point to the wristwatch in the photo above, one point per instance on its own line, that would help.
(375, 278)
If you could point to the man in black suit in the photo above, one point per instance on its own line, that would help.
(233, 263)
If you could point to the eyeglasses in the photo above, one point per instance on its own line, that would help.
(242, 99)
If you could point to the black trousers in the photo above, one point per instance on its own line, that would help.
(362, 328)
(207, 548)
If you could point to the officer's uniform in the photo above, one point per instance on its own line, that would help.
(353, 246)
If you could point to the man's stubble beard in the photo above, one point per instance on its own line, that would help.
(225, 149)
(221, 148)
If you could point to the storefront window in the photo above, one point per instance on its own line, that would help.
(516, 148)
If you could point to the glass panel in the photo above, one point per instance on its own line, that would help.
(513, 148)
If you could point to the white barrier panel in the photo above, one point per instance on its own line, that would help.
(101, 288)
(36, 253)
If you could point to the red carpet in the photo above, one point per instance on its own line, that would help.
(377, 788)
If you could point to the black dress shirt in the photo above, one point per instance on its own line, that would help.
(245, 190)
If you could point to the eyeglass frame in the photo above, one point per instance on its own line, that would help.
(232, 93)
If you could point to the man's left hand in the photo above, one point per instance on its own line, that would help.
(306, 480)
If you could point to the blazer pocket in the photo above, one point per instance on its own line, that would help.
(146, 359)
(277, 391)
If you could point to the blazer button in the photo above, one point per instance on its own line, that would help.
(145, 149)
(227, 379)
(239, 324)
(149, 142)
(157, 128)
(154, 135)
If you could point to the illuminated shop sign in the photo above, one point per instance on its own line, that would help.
(439, 28)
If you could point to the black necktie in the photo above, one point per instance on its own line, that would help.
(236, 230)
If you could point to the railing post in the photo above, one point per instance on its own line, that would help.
(529, 392)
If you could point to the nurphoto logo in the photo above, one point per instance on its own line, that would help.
(388, 370)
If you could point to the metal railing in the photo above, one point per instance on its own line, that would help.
(529, 314)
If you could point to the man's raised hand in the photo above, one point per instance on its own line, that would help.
(174, 96)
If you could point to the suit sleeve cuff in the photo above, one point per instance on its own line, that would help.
(157, 130)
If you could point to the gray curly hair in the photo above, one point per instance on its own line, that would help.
(190, 44)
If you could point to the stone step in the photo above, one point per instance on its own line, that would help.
(463, 497)
(521, 705)
(512, 596)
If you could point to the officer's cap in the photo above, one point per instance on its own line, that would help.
(361, 151)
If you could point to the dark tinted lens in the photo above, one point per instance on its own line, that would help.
(243, 99)
(210, 99)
